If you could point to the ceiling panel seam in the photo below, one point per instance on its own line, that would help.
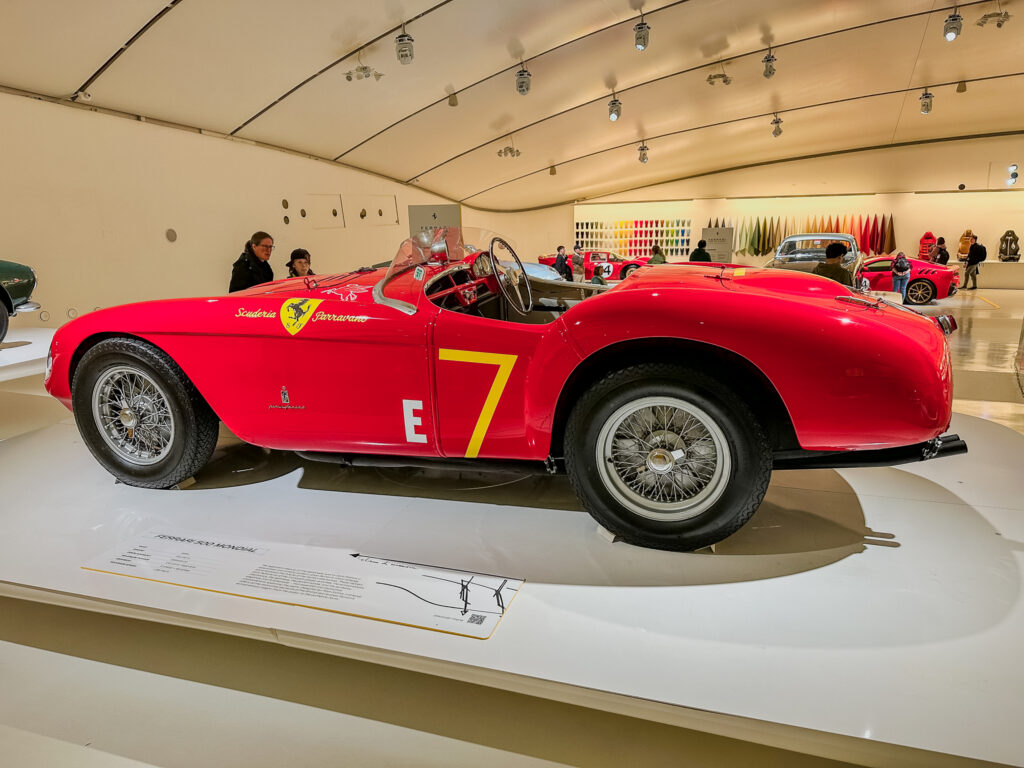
(163, 12)
(335, 63)
(716, 63)
(763, 163)
(735, 120)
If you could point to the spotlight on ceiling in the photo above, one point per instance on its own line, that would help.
(961, 87)
(642, 34)
(363, 72)
(552, 171)
(726, 80)
(926, 102)
(769, 65)
(453, 100)
(1011, 169)
(953, 27)
(403, 47)
(81, 96)
(523, 80)
(643, 150)
(614, 109)
(776, 125)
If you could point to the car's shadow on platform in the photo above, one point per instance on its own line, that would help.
(808, 511)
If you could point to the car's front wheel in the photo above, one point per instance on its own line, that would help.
(627, 271)
(666, 457)
(141, 417)
(5, 322)
(920, 291)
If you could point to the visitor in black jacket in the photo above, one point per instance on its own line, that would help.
(562, 264)
(252, 267)
(699, 254)
(975, 256)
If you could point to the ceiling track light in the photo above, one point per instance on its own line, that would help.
(523, 80)
(1012, 178)
(363, 72)
(726, 80)
(953, 27)
(552, 171)
(403, 47)
(453, 99)
(776, 125)
(614, 108)
(643, 149)
(769, 65)
(642, 34)
(926, 102)
(961, 87)
(81, 96)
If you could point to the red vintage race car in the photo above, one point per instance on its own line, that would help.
(928, 281)
(668, 399)
(620, 266)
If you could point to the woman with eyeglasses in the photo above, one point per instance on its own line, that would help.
(253, 267)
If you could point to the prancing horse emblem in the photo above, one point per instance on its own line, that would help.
(295, 313)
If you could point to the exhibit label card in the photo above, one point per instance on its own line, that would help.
(335, 580)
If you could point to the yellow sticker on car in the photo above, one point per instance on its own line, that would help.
(295, 313)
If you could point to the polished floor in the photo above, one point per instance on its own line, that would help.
(275, 704)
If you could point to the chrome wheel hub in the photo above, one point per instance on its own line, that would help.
(133, 415)
(663, 458)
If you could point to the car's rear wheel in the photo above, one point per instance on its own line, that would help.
(627, 271)
(666, 457)
(141, 417)
(920, 291)
(5, 322)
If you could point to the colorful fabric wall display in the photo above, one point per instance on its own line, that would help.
(889, 242)
(755, 236)
(862, 241)
(880, 239)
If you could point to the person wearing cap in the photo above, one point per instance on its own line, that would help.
(298, 264)
(699, 253)
(252, 267)
(833, 268)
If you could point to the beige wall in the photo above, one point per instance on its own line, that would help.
(89, 198)
(532, 234)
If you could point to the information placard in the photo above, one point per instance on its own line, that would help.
(335, 580)
(719, 241)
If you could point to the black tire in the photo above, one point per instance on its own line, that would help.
(627, 271)
(163, 435)
(5, 322)
(724, 440)
(920, 292)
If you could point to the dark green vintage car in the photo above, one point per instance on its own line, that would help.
(16, 285)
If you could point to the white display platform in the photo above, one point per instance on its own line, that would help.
(880, 606)
(23, 352)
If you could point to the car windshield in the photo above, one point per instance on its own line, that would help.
(441, 246)
(430, 249)
(811, 249)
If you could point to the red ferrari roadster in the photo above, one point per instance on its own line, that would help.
(927, 280)
(621, 267)
(668, 398)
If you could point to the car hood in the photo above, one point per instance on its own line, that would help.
(736, 278)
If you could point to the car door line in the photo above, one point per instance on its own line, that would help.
(505, 364)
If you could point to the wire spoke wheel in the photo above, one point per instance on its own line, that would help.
(133, 416)
(663, 458)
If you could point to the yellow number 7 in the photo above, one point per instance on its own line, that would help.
(504, 363)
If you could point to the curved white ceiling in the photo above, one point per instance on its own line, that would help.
(849, 74)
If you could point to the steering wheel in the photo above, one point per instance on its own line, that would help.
(510, 280)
